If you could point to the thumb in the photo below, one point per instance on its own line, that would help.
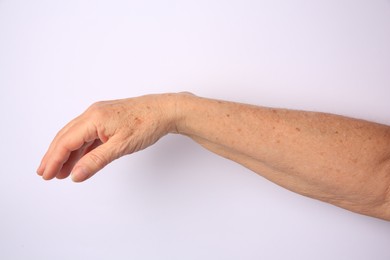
(94, 161)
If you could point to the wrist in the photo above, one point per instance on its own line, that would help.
(181, 102)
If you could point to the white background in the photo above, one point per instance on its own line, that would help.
(176, 200)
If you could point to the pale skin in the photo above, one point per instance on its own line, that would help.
(335, 159)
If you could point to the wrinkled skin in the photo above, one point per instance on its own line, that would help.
(104, 132)
(339, 160)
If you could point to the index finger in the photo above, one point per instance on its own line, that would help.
(42, 165)
(67, 141)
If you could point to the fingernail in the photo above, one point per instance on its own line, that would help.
(79, 174)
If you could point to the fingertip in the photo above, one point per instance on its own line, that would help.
(46, 177)
(79, 174)
(48, 173)
(39, 170)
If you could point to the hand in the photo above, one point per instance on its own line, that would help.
(106, 131)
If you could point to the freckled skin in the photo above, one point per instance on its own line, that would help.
(339, 160)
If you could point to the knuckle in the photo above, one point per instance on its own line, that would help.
(98, 109)
(98, 104)
(98, 159)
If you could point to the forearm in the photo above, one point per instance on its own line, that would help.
(339, 160)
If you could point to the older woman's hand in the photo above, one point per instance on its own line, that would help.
(106, 131)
